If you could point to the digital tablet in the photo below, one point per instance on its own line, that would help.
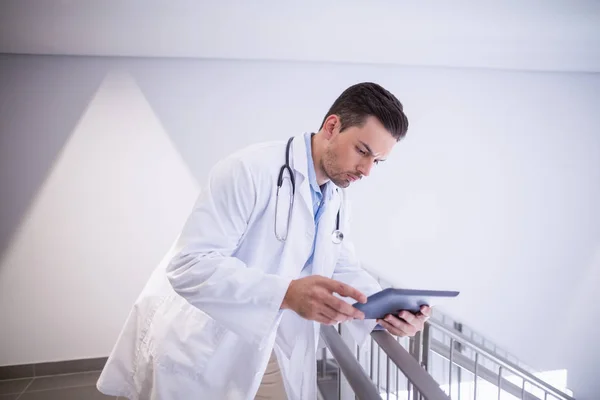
(392, 301)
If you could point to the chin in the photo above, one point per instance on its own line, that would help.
(344, 183)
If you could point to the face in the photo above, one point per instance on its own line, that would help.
(351, 154)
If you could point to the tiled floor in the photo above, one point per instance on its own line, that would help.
(80, 386)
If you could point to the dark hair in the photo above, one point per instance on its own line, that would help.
(366, 99)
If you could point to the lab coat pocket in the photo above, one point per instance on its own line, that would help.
(185, 340)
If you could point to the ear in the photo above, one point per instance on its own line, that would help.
(332, 126)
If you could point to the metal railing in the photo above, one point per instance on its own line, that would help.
(363, 386)
(484, 364)
(426, 367)
(476, 337)
(439, 363)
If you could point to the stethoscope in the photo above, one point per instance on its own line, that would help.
(337, 236)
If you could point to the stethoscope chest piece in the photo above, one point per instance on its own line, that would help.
(337, 236)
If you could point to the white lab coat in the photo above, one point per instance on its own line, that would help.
(209, 317)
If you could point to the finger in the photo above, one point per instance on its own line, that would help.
(426, 311)
(346, 290)
(333, 314)
(323, 319)
(401, 325)
(415, 320)
(327, 312)
(391, 328)
(343, 307)
(422, 317)
(407, 316)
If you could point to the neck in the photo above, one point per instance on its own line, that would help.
(318, 150)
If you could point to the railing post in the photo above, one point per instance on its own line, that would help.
(416, 352)
(324, 362)
(426, 346)
(372, 355)
(458, 326)
(345, 390)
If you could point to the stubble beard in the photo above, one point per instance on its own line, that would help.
(332, 172)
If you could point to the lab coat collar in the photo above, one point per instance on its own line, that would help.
(299, 160)
(300, 165)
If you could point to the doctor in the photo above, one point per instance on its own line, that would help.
(263, 260)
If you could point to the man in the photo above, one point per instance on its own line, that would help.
(260, 264)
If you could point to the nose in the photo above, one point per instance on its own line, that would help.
(365, 168)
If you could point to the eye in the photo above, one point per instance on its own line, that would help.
(361, 151)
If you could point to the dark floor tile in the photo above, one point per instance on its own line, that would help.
(14, 396)
(16, 371)
(64, 381)
(78, 393)
(14, 385)
(69, 367)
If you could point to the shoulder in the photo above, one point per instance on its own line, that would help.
(261, 156)
(256, 162)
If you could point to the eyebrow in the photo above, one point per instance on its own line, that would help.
(370, 151)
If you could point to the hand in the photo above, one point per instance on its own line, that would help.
(410, 323)
(312, 298)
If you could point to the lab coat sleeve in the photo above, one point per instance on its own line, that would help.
(348, 269)
(205, 270)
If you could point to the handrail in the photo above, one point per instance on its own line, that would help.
(504, 363)
(409, 366)
(363, 387)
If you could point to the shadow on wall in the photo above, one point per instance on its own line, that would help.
(86, 238)
(40, 108)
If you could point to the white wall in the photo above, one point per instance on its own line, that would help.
(539, 35)
(494, 192)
